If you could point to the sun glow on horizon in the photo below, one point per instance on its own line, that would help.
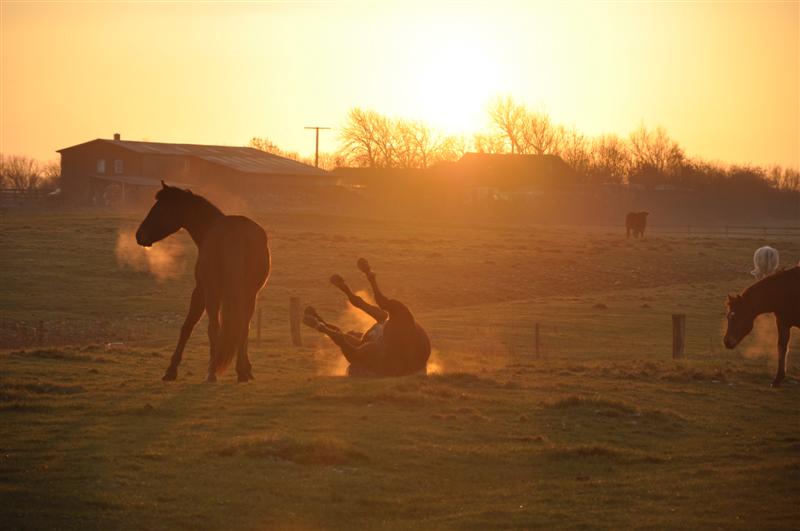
(455, 81)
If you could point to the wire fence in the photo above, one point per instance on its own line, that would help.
(731, 231)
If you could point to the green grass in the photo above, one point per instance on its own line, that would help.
(603, 430)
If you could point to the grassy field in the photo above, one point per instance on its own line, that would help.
(602, 430)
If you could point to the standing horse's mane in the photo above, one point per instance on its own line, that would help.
(174, 194)
(774, 278)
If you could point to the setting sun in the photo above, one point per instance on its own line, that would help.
(457, 76)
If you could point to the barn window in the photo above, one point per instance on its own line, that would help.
(101, 165)
(117, 166)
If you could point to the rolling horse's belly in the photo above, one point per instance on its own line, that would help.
(401, 357)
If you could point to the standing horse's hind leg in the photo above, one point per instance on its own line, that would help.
(196, 308)
(244, 369)
(212, 308)
(783, 346)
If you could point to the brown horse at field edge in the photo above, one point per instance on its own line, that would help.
(778, 294)
(233, 264)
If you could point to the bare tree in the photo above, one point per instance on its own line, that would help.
(20, 173)
(367, 140)
(490, 143)
(656, 150)
(784, 178)
(370, 139)
(421, 146)
(527, 132)
(575, 150)
(509, 118)
(411, 142)
(540, 136)
(449, 149)
(610, 160)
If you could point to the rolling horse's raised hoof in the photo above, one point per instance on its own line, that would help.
(311, 319)
(312, 312)
(339, 282)
(170, 375)
(363, 265)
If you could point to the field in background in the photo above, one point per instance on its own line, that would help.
(602, 430)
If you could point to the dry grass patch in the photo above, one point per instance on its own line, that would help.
(312, 452)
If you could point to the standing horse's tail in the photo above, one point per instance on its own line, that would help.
(235, 325)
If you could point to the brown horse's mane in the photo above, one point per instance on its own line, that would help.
(768, 283)
(178, 195)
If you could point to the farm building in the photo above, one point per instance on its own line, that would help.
(474, 177)
(511, 172)
(117, 171)
(504, 172)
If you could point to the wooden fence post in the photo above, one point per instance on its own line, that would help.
(536, 341)
(678, 336)
(258, 327)
(294, 321)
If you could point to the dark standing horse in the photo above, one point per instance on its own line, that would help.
(636, 222)
(232, 266)
(778, 294)
(395, 346)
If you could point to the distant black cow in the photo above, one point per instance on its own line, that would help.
(636, 222)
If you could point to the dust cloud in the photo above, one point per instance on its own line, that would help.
(330, 362)
(762, 341)
(162, 260)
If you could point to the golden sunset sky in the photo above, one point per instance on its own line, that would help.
(721, 78)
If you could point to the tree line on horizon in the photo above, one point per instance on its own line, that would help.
(368, 139)
(18, 172)
(647, 157)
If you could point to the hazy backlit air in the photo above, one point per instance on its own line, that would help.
(723, 79)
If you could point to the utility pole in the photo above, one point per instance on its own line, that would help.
(316, 150)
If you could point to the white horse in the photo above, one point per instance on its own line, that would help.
(765, 260)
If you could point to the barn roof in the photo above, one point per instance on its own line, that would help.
(514, 170)
(243, 159)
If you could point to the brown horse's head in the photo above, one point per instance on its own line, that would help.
(740, 321)
(165, 216)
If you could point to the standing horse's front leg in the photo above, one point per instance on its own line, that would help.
(196, 308)
(783, 345)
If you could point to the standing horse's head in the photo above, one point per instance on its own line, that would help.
(740, 321)
(165, 216)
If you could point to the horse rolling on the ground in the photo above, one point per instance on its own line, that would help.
(778, 294)
(765, 261)
(232, 266)
(636, 222)
(396, 345)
